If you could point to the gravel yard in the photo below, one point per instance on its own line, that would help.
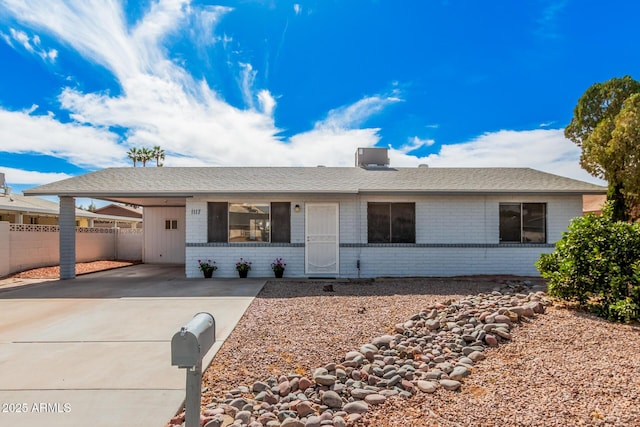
(81, 268)
(563, 368)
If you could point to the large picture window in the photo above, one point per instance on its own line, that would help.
(523, 223)
(249, 222)
(391, 222)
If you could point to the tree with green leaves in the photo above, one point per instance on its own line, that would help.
(597, 264)
(605, 127)
(134, 155)
(145, 155)
(158, 154)
(625, 138)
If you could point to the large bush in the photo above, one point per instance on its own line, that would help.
(597, 264)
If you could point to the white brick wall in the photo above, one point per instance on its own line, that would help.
(440, 261)
(196, 221)
(472, 221)
(260, 257)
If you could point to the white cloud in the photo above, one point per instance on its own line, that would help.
(297, 9)
(354, 115)
(21, 132)
(415, 143)
(204, 24)
(31, 44)
(267, 102)
(543, 149)
(247, 79)
(19, 176)
(162, 104)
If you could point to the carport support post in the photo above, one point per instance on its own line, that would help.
(193, 399)
(67, 223)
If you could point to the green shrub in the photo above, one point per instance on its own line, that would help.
(597, 264)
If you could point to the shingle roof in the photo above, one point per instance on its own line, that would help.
(191, 181)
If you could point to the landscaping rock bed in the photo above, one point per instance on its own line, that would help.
(434, 349)
(53, 272)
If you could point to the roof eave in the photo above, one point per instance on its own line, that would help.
(111, 195)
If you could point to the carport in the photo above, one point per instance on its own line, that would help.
(96, 350)
(127, 188)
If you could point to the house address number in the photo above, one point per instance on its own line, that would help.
(195, 211)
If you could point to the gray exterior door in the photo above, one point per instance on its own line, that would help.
(322, 239)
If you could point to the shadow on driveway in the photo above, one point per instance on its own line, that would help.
(136, 281)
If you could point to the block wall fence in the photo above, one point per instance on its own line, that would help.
(25, 246)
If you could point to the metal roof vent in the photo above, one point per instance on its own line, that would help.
(372, 157)
(423, 166)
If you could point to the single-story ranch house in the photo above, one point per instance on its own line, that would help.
(370, 220)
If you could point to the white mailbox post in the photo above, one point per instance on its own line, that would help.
(188, 347)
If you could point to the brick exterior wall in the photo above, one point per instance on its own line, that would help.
(455, 235)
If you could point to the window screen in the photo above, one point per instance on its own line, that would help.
(217, 216)
(281, 222)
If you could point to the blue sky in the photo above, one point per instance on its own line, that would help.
(277, 83)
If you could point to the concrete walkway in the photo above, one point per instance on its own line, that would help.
(96, 350)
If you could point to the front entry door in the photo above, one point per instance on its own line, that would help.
(322, 243)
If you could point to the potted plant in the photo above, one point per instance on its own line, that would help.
(278, 267)
(207, 267)
(243, 267)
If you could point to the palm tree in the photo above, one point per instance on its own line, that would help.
(134, 154)
(145, 155)
(158, 154)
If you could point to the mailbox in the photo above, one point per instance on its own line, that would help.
(193, 341)
(188, 347)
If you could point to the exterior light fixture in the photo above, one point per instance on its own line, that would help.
(296, 208)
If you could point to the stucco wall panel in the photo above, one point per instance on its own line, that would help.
(32, 246)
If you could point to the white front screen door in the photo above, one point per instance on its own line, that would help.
(322, 243)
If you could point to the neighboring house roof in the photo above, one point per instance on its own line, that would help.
(125, 184)
(37, 206)
(120, 210)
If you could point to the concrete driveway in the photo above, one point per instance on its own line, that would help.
(96, 350)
